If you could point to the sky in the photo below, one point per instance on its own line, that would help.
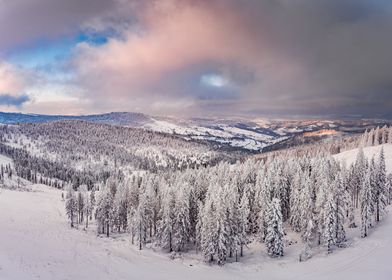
(197, 57)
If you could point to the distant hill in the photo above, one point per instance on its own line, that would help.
(114, 118)
(232, 133)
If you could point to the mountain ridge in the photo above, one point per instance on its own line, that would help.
(251, 135)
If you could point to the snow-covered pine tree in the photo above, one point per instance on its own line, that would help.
(87, 209)
(166, 225)
(341, 201)
(241, 227)
(296, 219)
(366, 205)
(92, 202)
(81, 205)
(370, 141)
(105, 211)
(359, 168)
(71, 205)
(182, 225)
(142, 219)
(364, 139)
(389, 189)
(208, 227)
(384, 134)
(121, 207)
(274, 237)
(222, 223)
(330, 222)
(380, 186)
(265, 198)
(377, 136)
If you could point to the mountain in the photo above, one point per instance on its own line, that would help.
(114, 118)
(250, 135)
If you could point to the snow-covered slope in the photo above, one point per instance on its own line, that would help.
(37, 243)
(350, 156)
(238, 133)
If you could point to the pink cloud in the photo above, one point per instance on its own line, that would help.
(12, 79)
(174, 35)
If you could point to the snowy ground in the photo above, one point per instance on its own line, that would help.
(37, 243)
(350, 156)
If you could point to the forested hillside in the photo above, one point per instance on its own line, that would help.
(87, 153)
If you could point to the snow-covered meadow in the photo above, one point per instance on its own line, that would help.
(37, 243)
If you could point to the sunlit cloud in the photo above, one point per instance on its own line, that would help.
(214, 80)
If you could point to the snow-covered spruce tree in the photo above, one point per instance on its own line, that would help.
(380, 187)
(87, 207)
(298, 193)
(307, 213)
(121, 207)
(384, 134)
(253, 226)
(363, 139)
(182, 225)
(71, 205)
(330, 222)
(80, 204)
(366, 205)
(208, 227)
(154, 201)
(142, 218)
(359, 168)
(222, 229)
(322, 190)
(105, 210)
(219, 228)
(166, 224)
(262, 196)
(266, 193)
(274, 237)
(341, 202)
(370, 141)
(389, 188)
(241, 226)
(377, 136)
(92, 202)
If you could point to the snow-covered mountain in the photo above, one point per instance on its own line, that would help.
(251, 135)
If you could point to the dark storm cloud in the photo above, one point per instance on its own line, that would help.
(11, 100)
(23, 21)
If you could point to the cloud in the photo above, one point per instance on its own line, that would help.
(281, 56)
(10, 100)
(12, 79)
(26, 21)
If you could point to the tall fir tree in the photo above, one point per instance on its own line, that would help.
(274, 237)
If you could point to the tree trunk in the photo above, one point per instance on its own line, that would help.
(170, 242)
(378, 211)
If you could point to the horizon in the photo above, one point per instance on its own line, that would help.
(248, 118)
(258, 59)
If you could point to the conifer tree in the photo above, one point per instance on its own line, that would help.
(366, 205)
(274, 237)
(380, 186)
(166, 227)
(71, 206)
